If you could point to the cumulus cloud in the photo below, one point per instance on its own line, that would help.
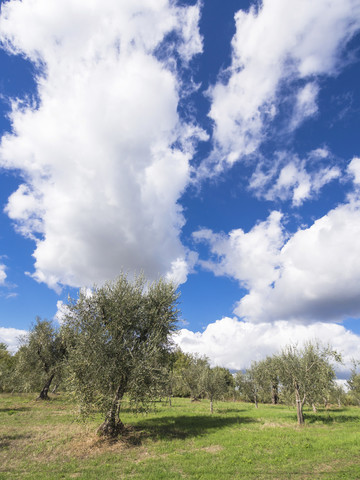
(319, 273)
(234, 344)
(311, 275)
(10, 336)
(251, 257)
(278, 49)
(102, 150)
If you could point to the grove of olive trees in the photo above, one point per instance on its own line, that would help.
(116, 344)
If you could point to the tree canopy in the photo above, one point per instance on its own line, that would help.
(40, 357)
(307, 372)
(354, 382)
(7, 366)
(121, 337)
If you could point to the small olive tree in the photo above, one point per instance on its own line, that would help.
(251, 383)
(338, 395)
(270, 377)
(121, 337)
(354, 382)
(7, 367)
(192, 375)
(214, 384)
(180, 361)
(307, 373)
(229, 392)
(40, 358)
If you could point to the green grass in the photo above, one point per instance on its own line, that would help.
(42, 440)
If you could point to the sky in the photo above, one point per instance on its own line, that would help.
(213, 143)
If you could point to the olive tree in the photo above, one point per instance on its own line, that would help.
(307, 373)
(121, 336)
(7, 366)
(179, 362)
(270, 377)
(40, 357)
(214, 384)
(192, 375)
(354, 382)
(229, 392)
(251, 383)
(338, 395)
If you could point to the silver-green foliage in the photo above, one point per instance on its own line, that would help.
(7, 366)
(307, 373)
(192, 375)
(354, 383)
(214, 383)
(40, 358)
(253, 384)
(121, 336)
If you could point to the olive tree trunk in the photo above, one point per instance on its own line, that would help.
(112, 425)
(55, 388)
(44, 392)
(274, 394)
(211, 405)
(299, 406)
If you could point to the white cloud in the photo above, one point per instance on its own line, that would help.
(278, 49)
(2, 274)
(322, 152)
(311, 275)
(11, 336)
(189, 25)
(181, 268)
(250, 257)
(291, 178)
(305, 105)
(354, 170)
(102, 176)
(62, 311)
(319, 273)
(234, 344)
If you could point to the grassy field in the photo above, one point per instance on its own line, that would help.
(42, 440)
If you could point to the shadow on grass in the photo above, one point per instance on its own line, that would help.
(12, 410)
(332, 409)
(182, 427)
(7, 440)
(229, 410)
(325, 418)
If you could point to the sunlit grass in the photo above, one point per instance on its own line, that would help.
(43, 440)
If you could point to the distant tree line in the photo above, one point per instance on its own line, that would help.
(115, 343)
(296, 376)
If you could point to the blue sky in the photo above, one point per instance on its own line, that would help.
(214, 143)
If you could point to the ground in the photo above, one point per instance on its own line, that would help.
(44, 440)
